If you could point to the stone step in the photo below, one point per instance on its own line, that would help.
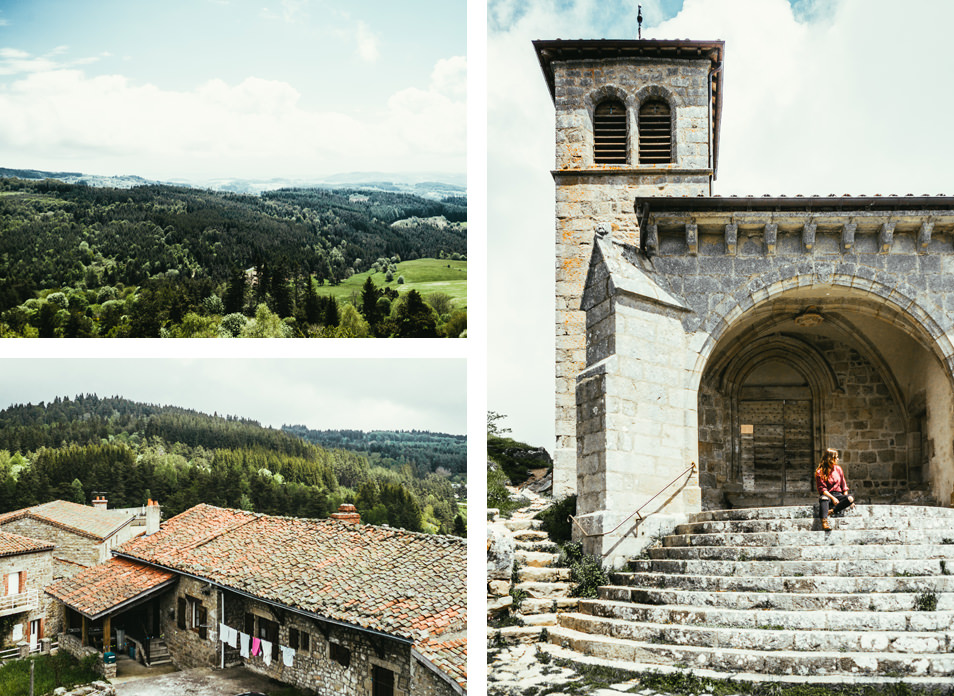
(548, 605)
(829, 620)
(543, 574)
(771, 662)
(764, 638)
(785, 601)
(797, 568)
(516, 634)
(538, 546)
(836, 538)
(854, 522)
(545, 590)
(900, 684)
(548, 619)
(795, 511)
(882, 552)
(536, 559)
(522, 535)
(824, 584)
(522, 524)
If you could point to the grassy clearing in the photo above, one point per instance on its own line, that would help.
(50, 672)
(424, 275)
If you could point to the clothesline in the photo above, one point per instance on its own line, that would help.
(250, 646)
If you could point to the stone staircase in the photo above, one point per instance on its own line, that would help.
(544, 587)
(763, 591)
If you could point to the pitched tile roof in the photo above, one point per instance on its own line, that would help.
(388, 580)
(80, 519)
(449, 656)
(14, 544)
(101, 588)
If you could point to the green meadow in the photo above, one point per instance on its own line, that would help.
(424, 275)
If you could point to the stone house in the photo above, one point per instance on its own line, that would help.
(741, 335)
(26, 567)
(83, 535)
(330, 605)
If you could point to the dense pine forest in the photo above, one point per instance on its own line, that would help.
(150, 261)
(69, 448)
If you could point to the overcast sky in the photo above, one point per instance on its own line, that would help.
(367, 394)
(821, 97)
(233, 88)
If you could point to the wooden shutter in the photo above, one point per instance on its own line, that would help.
(23, 585)
(383, 682)
(655, 133)
(181, 614)
(203, 622)
(609, 133)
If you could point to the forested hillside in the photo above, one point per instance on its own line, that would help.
(149, 261)
(427, 451)
(132, 451)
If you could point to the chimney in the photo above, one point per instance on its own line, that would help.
(152, 517)
(347, 513)
(99, 502)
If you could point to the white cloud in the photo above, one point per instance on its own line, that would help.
(366, 43)
(50, 116)
(837, 96)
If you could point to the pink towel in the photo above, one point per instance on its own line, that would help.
(256, 646)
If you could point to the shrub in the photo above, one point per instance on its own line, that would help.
(586, 571)
(555, 519)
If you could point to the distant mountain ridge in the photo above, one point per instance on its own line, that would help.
(427, 185)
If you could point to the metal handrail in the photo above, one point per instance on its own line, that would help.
(691, 467)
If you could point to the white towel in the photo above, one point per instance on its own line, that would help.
(267, 652)
(233, 638)
(243, 641)
(288, 655)
(223, 633)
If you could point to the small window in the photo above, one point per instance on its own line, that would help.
(250, 624)
(382, 682)
(609, 132)
(268, 630)
(655, 133)
(298, 640)
(339, 654)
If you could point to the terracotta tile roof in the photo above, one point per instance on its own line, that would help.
(103, 587)
(449, 656)
(400, 583)
(14, 544)
(80, 519)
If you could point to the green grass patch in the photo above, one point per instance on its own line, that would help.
(424, 275)
(50, 672)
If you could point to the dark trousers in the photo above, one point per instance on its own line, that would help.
(824, 502)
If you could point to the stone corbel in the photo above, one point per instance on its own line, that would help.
(651, 239)
(924, 235)
(771, 237)
(848, 235)
(731, 238)
(808, 235)
(886, 237)
(692, 237)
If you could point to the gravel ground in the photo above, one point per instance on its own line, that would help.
(199, 682)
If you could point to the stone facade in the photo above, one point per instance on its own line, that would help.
(38, 569)
(73, 551)
(314, 667)
(744, 335)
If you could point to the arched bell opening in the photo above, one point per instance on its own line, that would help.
(817, 367)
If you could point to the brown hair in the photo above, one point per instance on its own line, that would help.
(829, 459)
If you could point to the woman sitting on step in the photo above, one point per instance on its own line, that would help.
(832, 487)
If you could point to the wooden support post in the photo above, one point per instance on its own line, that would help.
(106, 631)
(84, 632)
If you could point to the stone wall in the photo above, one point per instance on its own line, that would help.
(589, 195)
(39, 573)
(186, 647)
(73, 645)
(424, 682)
(314, 668)
(76, 550)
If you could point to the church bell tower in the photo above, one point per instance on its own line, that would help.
(634, 118)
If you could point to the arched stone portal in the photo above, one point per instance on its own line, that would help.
(834, 367)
